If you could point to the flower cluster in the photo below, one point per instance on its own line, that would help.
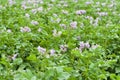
(41, 49)
(34, 22)
(80, 12)
(73, 24)
(56, 33)
(25, 29)
(63, 48)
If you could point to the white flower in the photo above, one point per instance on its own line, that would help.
(73, 24)
(103, 4)
(87, 45)
(58, 20)
(56, 33)
(34, 22)
(75, 1)
(63, 48)
(9, 31)
(41, 49)
(63, 26)
(39, 29)
(80, 12)
(82, 45)
(52, 52)
(55, 15)
(27, 15)
(40, 9)
(14, 56)
(11, 2)
(87, 3)
(102, 13)
(34, 11)
(94, 46)
(64, 12)
(25, 29)
(97, 3)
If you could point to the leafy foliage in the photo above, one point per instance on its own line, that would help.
(59, 40)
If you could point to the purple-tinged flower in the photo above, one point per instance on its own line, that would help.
(52, 52)
(24, 6)
(25, 29)
(40, 9)
(34, 22)
(11, 2)
(87, 3)
(82, 45)
(63, 48)
(87, 45)
(102, 13)
(80, 12)
(41, 49)
(75, 1)
(73, 24)
(63, 26)
(34, 11)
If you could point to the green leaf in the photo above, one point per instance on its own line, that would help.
(63, 76)
(18, 61)
(32, 57)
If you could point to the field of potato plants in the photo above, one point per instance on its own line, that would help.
(59, 39)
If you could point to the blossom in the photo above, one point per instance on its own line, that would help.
(9, 31)
(63, 48)
(63, 25)
(34, 22)
(102, 13)
(52, 52)
(96, 21)
(55, 15)
(27, 15)
(58, 20)
(87, 3)
(64, 12)
(97, 3)
(34, 11)
(14, 56)
(41, 49)
(40, 9)
(25, 29)
(80, 12)
(56, 33)
(87, 45)
(73, 24)
(103, 4)
(75, 1)
(39, 29)
(82, 45)
(94, 46)
(11, 2)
